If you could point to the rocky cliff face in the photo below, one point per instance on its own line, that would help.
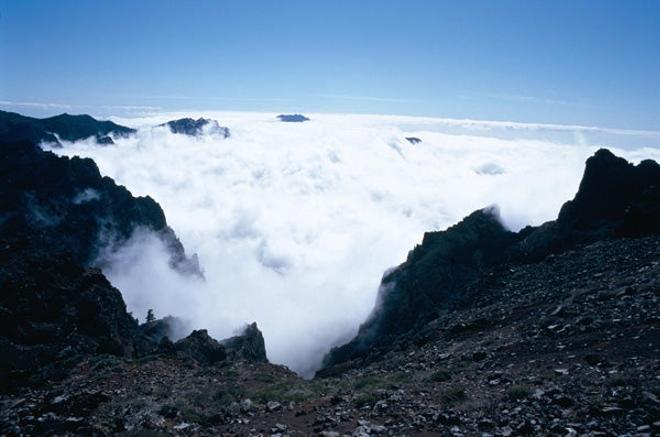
(53, 312)
(69, 207)
(55, 215)
(431, 278)
(15, 127)
(249, 345)
(615, 199)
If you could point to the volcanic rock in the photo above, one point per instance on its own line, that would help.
(192, 127)
(15, 127)
(249, 345)
(292, 118)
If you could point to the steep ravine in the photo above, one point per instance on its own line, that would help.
(551, 330)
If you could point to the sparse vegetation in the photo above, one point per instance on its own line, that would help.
(519, 391)
(440, 375)
(367, 398)
(368, 381)
(453, 395)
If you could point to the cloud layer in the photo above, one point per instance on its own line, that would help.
(295, 223)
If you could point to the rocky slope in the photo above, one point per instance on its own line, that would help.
(56, 214)
(615, 199)
(549, 331)
(15, 127)
(564, 346)
(65, 205)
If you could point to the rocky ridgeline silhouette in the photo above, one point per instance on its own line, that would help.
(615, 199)
(15, 127)
(57, 215)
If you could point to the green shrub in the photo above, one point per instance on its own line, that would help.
(453, 395)
(440, 375)
(519, 391)
(367, 398)
(368, 381)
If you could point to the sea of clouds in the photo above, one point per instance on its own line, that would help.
(295, 223)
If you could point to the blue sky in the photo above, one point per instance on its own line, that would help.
(578, 62)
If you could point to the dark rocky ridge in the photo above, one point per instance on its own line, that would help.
(192, 127)
(15, 127)
(615, 199)
(564, 346)
(248, 345)
(66, 205)
(56, 213)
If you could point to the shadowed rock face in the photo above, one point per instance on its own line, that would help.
(249, 345)
(413, 293)
(292, 118)
(71, 208)
(53, 312)
(200, 347)
(192, 127)
(55, 309)
(615, 199)
(55, 214)
(15, 127)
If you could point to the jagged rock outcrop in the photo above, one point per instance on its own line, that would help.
(431, 277)
(192, 127)
(201, 347)
(292, 118)
(248, 346)
(53, 312)
(15, 127)
(67, 205)
(615, 199)
(55, 215)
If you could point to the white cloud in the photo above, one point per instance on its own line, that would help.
(296, 223)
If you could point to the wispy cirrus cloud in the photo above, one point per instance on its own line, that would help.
(362, 98)
(215, 98)
(535, 99)
(65, 106)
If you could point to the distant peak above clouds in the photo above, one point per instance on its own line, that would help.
(63, 127)
(192, 127)
(292, 118)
